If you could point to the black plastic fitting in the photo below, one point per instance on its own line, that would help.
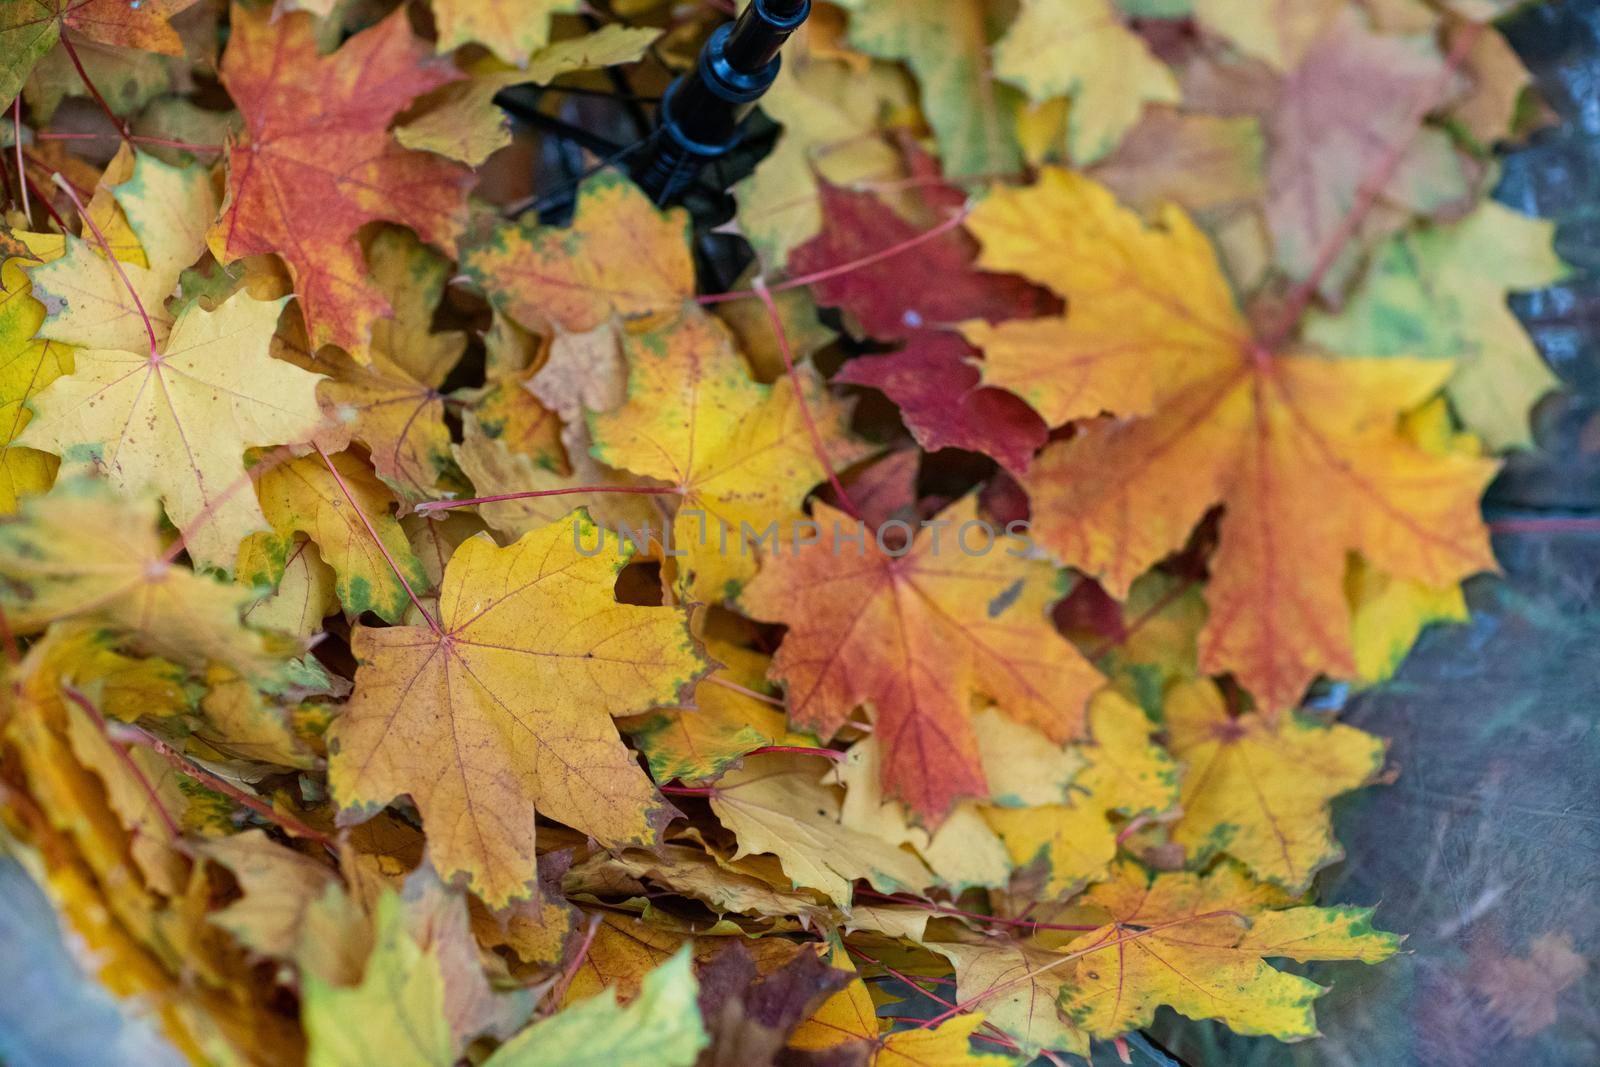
(700, 116)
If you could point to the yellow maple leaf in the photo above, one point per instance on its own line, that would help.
(296, 590)
(621, 255)
(511, 29)
(505, 705)
(1124, 773)
(701, 741)
(167, 209)
(1258, 787)
(393, 404)
(777, 803)
(460, 120)
(305, 496)
(1305, 453)
(1143, 300)
(1084, 49)
(739, 453)
(844, 1018)
(1199, 945)
(179, 422)
(27, 364)
(830, 113)
(1018, 989)
(83, 552)
(947, 1045)
(1278, 31)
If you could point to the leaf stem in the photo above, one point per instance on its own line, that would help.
(433, 623)
(1300, 297)
(22, 169)
(447, 505)
(116, 123)
(126, 759)
(847, 267)
(817, 445)
(94, 227)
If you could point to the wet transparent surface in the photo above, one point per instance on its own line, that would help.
(1486, 849)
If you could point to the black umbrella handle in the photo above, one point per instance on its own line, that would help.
(700, 115)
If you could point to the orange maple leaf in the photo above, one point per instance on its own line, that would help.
(1304, 452)
(316, 161)
(915, 635)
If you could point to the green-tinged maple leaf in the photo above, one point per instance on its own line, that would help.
(946, 45)
(395, 1016)
(86, 552)
(659, 1028)
(1441, 292)
(27, 364)
(94, 303)
(1258, 788)
(306, 496)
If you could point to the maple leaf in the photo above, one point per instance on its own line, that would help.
(621, 256)
(280, 888)
(1199, 945)
(515, 688)
(1279, 31)
(393, 404)
(722, 885)
(1352, 100)
(847, 1018)
(914, 299)
(1141, 298)
(963, 852)
(947, 1045)
(179, 421)
(1202, 163)
(724, 724)
(460, 120)
(315, 162)
(913, 635)
(83, 552)
(740, 454)
(511, 29)
(1304, 453)
(776, 803)
(341, 509)
(1441, 293)
(830, 113)
(1072, 841)
(1019, 989)
(1258, 788)
(95, 303)
(27, 364)
(660, 1027)
(397, 1011)
(749, 1016)
(30, 28)
(946, 46)
(1084, 49)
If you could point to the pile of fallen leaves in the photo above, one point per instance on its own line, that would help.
(438, 636)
